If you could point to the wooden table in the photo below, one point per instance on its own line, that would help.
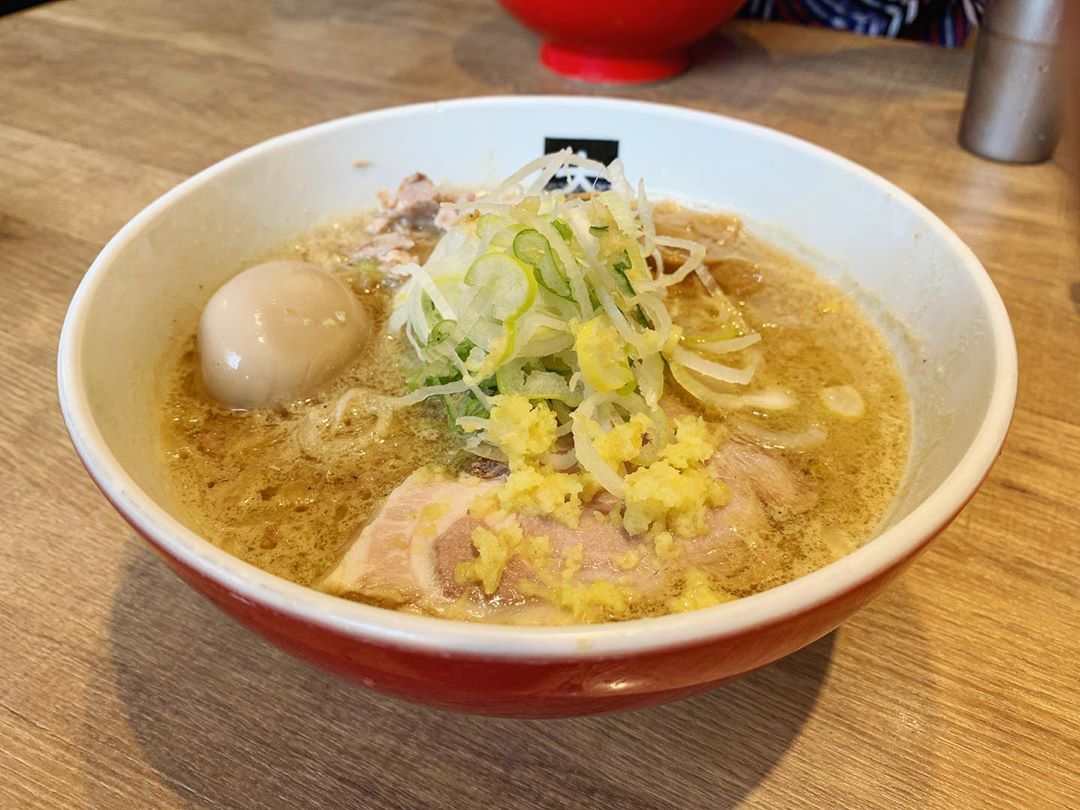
(119, 687)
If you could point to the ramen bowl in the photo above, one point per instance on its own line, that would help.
(925, 290)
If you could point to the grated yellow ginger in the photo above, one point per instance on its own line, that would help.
(628, 559)
(494, 551)
(523, 432)
(674, 493)
(623, 442)
(428, 527)
(586, 601)
(693, 445)
(591, 601)
(484, 505)
(665, 545)
(543, 491)
(520, 429)
(662, 497)
(697, 592)
(536, 551)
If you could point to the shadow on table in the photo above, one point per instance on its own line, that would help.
(228, 720)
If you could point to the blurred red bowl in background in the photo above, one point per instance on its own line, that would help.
(620, 41)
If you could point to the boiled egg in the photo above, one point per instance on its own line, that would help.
(277, 332)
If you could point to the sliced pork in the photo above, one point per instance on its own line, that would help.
(415, 204)
(389, 250)
(410, 551)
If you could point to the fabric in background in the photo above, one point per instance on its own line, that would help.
(945, 22)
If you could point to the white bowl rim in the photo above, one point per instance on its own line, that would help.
(454, 638)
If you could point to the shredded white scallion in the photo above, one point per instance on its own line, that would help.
(550, 296)
(807, 439)
(714, 370)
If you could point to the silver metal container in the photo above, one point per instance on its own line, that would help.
(1013, 111)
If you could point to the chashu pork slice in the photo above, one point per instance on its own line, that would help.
(408, 553)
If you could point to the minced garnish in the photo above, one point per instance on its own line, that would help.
(542, 491)
(494, 549)
(521, 430)
(672, 493)
(698, 591)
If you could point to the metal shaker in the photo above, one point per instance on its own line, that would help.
(1013, 111)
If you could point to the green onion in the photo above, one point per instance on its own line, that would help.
(532, 248)
(564, 230)
(505, 302)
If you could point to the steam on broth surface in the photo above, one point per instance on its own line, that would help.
(506, 501)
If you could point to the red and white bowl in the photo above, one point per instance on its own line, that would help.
(926, 290)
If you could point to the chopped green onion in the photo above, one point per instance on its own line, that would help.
(510, 279)
(563, 229)
(531, 247)
(548, 296)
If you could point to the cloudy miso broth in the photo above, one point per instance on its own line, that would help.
(289, 488)
(260, 485)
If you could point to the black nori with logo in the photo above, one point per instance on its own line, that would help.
(574, 179)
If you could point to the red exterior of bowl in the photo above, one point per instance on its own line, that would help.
(542, 688)
(617, 41)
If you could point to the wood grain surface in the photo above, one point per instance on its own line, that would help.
(119, 687)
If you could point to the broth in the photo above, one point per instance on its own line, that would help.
(258, 486)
